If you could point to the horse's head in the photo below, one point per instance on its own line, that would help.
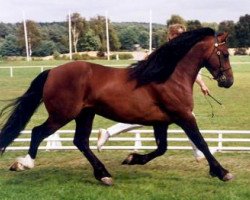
(217, 61)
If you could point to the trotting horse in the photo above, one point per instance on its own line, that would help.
(157, 91)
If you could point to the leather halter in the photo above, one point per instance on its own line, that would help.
(220, 76)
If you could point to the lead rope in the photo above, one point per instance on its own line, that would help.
(212, 108)
(209, 102)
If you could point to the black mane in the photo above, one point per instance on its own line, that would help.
(161, 63)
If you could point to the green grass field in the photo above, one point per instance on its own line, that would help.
(176, 175)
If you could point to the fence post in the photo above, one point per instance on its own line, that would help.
(53, 141)
(42, 69)
(11, 72)
(138, 143)
(220, 137)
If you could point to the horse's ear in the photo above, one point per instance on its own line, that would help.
(224, 37)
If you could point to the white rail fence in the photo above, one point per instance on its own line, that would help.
(42, 68)
(221, 140)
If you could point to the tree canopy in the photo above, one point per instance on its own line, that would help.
(90, 35)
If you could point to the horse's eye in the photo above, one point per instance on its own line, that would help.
(226, 55)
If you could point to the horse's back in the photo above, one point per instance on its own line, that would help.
(76, 85)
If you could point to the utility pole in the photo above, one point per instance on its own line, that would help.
(70, 38)
(26, 38)
(150, 31)
(107, 35)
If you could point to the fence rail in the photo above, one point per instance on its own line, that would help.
(11, 68)
(138, 139)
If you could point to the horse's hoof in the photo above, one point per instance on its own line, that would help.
(228, 177)
(107, 181)
(16, 166)
(128, 160)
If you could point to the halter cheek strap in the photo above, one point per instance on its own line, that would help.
(220, 75)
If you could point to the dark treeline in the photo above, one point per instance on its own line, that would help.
(90, 35)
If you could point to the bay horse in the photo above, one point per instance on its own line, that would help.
(156, 91)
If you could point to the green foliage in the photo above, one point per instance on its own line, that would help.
(176, 19)
(56, 55)
(229, 27)
(45, 48)
(34, 35)
(98, 25)
(143, 39)
(159, 37)
(5, 29)
(114, 41)
(79, 26)
(77, 56)
(90, 34)
(10, 46)
(89, 42)
(242, 31)
(122, 56)
(128, 37)
(193, 24)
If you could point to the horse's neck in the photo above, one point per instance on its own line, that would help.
(189, 67)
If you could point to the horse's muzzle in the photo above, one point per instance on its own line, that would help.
(225, 82)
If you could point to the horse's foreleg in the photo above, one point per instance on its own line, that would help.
(37, 136)
(160, 132)
(189, 125)
(81, 140)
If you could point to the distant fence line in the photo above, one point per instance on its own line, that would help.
(11, 68)
(62, 140)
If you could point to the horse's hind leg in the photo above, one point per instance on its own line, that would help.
(37, 136)
(160, 132)
(81, 140)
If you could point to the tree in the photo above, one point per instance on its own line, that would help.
(34, 35)
(98, 25)
(229, 27)
(128, 38)
(114, 41)
(242, 31)
(57, 32)
(176, 19)
(45, 48)
(143, 39)
(5, 30)
(89, 42)
(78, 27)
(159, 37)
(193, 24)
(10, 46)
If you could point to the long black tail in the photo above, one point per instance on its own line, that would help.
(22, 108)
